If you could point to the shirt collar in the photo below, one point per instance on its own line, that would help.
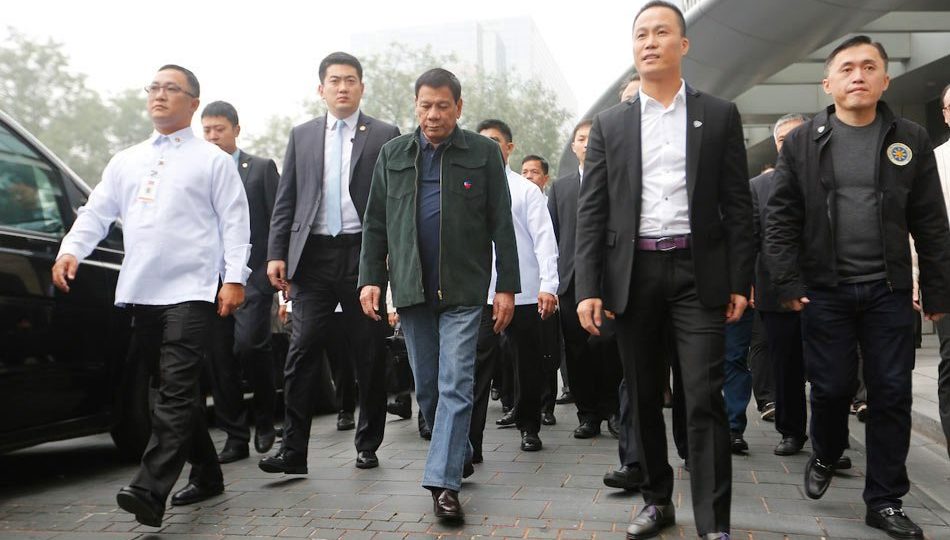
(647, 101)
(350, 120)
(426, 145)
(177, 138)
(237, 156)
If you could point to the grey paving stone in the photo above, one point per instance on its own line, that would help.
(388, 536)
(296, 532)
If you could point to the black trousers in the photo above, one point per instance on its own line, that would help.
(783, 331)
(882, 321)
(763, 375)
(238, 342)
(594, 367)
(327, 276)
(172, 341)
(342, 364)
(488, 352)
(551, 347)
(663, 294)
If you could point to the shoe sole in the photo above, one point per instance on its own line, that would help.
(531, 448)
(286, 470)
(619, 485)
(585, 435)
(871, 523)
(651, 534)
(143, 513)
(232, 460)
(195, 500)
(369, 465)
(786, 452)
(448, 517)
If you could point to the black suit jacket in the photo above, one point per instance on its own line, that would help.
(562, 203)
(299, 191)
(766, 296)
(260, 183)
(720, 208)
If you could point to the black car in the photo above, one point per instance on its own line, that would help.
(62, 356)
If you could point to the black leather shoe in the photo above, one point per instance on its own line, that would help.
(548, 419)
(650, 521)
(894, 522)
(264, 440)
(817, 477)
(627, 477)
(193, 493)
(565, 398)
(344, 421)
(495, 394)
(446, 505)
(789, 446)
(366, 460)
(737, 443)
(233, 452)
(281, 462)
(613, 425)
(587, 430)
(715, 536)
(507, 420)
(468, 469)
(843, 463)
(424, 431)
(400, 407)
(530, 442)
(141, 503)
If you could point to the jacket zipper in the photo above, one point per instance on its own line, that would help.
(441, 211)
(880, 206)
(415, 212)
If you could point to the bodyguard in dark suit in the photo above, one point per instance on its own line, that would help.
(314, 251)
(593, 367)
(664, 237)
(243, 339)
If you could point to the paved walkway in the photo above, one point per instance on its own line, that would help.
(67, 490)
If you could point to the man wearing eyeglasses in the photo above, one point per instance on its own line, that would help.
(313, 252)
(186, 226)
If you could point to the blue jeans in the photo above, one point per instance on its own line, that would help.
(737, 390)
(441, 348)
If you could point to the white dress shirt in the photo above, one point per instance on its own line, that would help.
(942, 155)
(184, 217)
(664, 201)
(534, 235)
(351, 218)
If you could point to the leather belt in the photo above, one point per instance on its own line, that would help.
(665, 243)
(340, 240)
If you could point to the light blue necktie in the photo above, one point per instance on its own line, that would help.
(334, 182)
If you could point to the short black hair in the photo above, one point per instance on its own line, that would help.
(531, 157)
(440, 78)
(664, 4)
(189, 76)
(221, 108)
(852, 42)
(493, 123)
(626, 82)
(583, 123)
(336, 58)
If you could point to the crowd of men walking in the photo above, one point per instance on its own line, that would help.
(645, 262)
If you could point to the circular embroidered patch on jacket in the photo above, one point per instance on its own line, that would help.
(899, 154)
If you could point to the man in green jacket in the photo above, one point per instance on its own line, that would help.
(438, 202)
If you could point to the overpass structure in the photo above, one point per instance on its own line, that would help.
(768, 57)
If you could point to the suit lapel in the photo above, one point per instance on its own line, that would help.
(244, 166)
(319, 143)
(694, 138)
(631, 143)
(359, 142)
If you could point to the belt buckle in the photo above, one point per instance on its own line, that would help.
(666, 243)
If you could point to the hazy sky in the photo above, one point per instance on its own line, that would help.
(262, 56)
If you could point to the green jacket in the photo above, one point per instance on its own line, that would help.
(476, 211)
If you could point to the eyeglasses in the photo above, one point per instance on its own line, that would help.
(171, 89)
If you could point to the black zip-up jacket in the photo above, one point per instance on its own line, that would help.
(800, 236)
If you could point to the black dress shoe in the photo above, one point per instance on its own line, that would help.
(565, 398)
(495, 394)
(613, 425)
(141, 503)
(737, 443)
(507, 420)
(344, 421)
(282, 462)
(789, 446)
(651, 520)
(587, 429)
(843, 463)
(193, 493)
(366, 460)
(894, 522)
(627, 477)
(468, 469)
(548, 419)
(446, 504)
(233, 452)
(817, 477)
(424, 430)
(530, 442)
(264, 440)
(400, 407)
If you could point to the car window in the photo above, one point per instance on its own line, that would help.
(29, 188)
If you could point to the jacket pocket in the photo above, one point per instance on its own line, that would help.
(610, 239)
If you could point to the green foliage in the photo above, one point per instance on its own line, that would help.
(39, 90)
